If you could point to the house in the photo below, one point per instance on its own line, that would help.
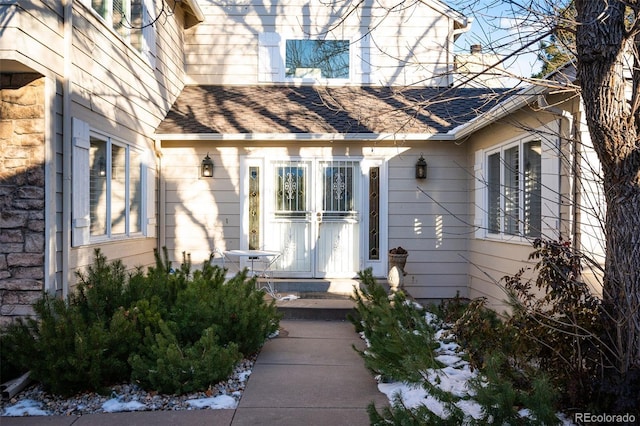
(314, 117)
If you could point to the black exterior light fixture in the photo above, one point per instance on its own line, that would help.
(206, 170)
(421, 168)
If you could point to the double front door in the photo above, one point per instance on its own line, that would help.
(311, 213)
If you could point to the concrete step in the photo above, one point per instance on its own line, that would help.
(314, 299)
(325, 309)
(341, 287)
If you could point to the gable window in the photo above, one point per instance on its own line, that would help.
(115, 188)
(304, 60)
(514, 190)
(317, 59)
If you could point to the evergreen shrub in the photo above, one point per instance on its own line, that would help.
(400, 341)
(173, 330)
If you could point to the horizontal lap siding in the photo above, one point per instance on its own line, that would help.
(201, 215)
(433, 228)
(116, 91)
(492, 259)
(224, 48)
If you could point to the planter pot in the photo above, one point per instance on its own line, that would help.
(399, 260)
(395, 278)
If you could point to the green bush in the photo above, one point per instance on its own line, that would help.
(400, 340)
(167, 366)
(67, 353)
(192, 328)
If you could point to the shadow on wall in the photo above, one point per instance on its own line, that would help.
(22, 193)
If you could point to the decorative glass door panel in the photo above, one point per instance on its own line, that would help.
(338, 248)
(314, 218)
(290, 228)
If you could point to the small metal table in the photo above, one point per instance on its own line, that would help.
(261, 263)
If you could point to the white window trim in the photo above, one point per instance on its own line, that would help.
(272, 53)
(550, 189)
(81, 220)
(109, 236)
(148, 48)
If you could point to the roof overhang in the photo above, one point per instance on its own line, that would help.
(513, 103)
(283, 137)
(192, 13)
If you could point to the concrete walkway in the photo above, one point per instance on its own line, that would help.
(309, 375)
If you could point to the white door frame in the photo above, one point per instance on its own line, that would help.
(263, 162)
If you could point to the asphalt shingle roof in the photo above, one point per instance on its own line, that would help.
(309, 109)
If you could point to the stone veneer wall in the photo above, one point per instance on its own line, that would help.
(22, 193)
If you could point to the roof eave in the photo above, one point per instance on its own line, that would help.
(194, 12)
(283, 137)
(513, 103)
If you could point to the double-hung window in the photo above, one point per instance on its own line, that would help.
(115, 188)
(514, 189)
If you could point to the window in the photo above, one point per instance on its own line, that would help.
(514, 190)
(291, 197)
(132, 19)
(115, 188)
(317, 59)
(304, 60)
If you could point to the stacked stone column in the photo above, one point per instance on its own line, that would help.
(22, 193)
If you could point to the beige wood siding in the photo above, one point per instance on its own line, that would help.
(203, 215)
(113, 88)
(404, 44)
(490, 259)
(117, 91)
(429, 218)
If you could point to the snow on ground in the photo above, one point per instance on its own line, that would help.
(453, 377)
(218, 402)
(26, 407)
(130, 398)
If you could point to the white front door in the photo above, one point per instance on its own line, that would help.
(313, 217)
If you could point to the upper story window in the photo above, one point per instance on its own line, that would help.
(514, 190)
(304, 60)
(133, 20)
(317, 59)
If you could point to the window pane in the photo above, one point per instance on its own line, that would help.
(254, 208)
(98, 186)
(135, 36)
(511, 190)
(135, 192)
(338, 188)
(100, 6)
(290, 192)
(118, 189)
(121, 19)
(493, 184)
(374, 213)
(532, 189)
(317, 58)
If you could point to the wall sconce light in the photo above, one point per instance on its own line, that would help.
(206, 169)
(102, 167)
(421, 168)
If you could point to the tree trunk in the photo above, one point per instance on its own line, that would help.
(613, 122)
